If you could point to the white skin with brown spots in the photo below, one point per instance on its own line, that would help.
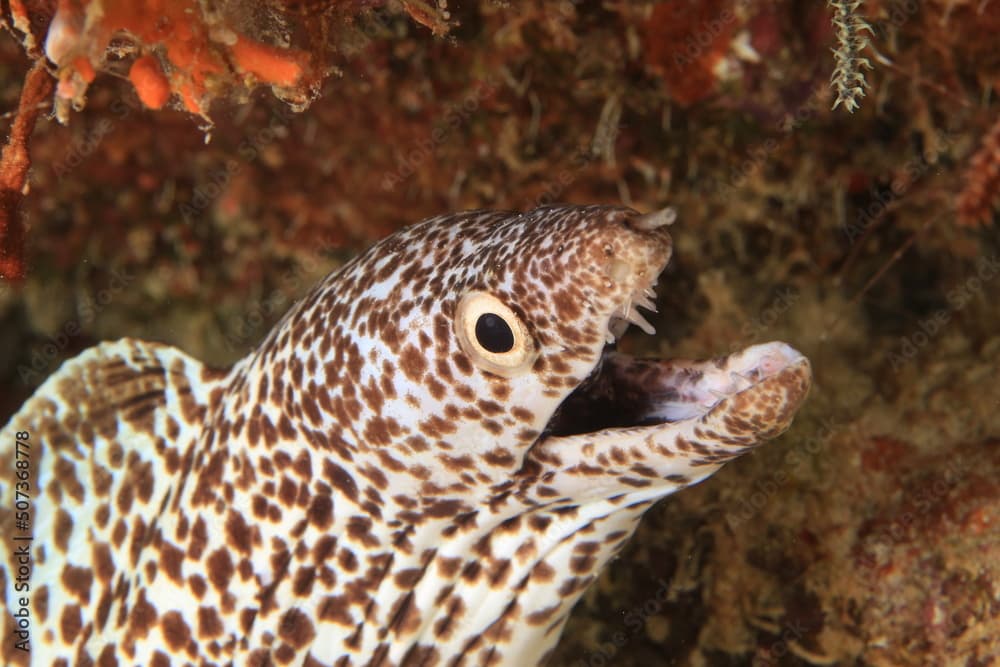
(389, 478)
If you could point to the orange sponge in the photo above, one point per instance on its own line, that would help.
(150, 82)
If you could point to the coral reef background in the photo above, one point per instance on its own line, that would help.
(196, 168)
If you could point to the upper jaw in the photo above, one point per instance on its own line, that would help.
(636, 252)
(628, 313)
(636, 279)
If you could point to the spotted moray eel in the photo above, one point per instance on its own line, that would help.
(426, 462)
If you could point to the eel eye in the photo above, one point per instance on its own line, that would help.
(493, 335)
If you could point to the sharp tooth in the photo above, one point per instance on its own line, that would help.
(648, 291)
(640, 321)
(617, 327)
(644, 302)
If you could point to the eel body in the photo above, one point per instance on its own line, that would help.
(426, 462)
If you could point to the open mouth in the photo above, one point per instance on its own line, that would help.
(626, 392)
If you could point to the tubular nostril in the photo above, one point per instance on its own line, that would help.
(649, 221)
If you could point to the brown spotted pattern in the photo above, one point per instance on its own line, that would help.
(359, 490)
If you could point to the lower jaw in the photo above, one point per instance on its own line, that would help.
(627, 392)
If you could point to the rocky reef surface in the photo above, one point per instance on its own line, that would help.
(195, 167)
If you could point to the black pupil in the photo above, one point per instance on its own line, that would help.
(494, 334)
